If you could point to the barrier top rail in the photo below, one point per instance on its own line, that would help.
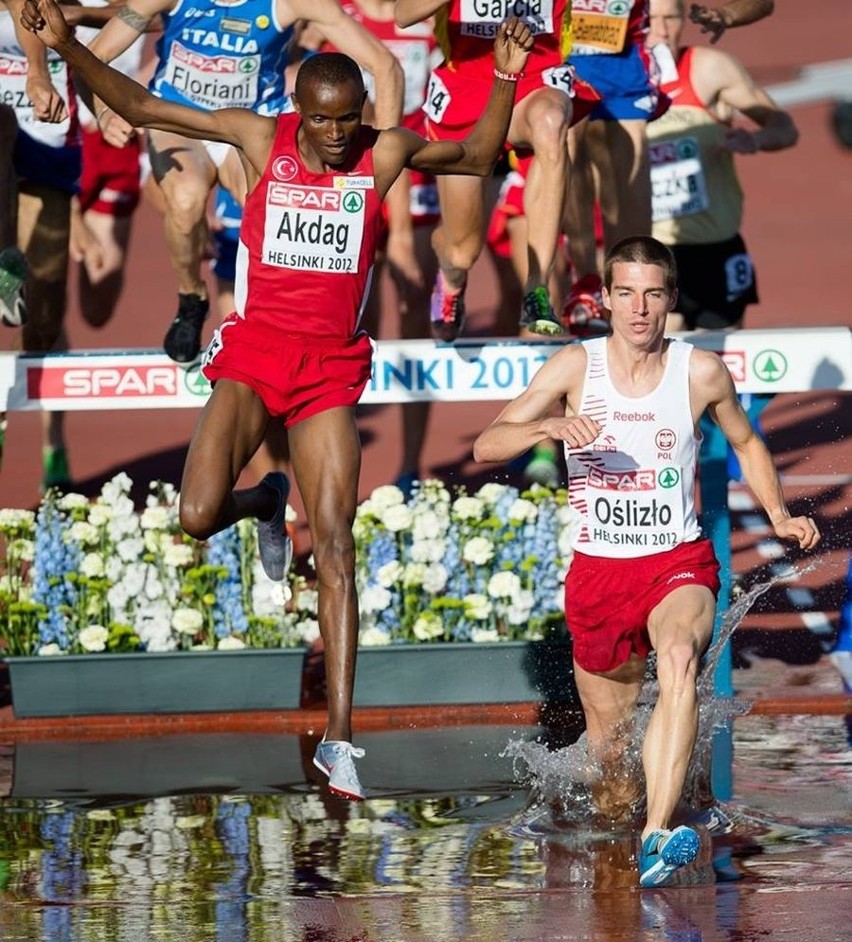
(481, 369)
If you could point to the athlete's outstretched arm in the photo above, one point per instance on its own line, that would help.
(250, 132)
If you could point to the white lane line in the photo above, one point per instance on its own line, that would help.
(823, 80)
(800, 598)
(818, 623)
(740, 500)
(816, 480)
(770, 549)
(753, 523)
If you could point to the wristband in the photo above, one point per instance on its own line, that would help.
(508, 76)
(99, 114)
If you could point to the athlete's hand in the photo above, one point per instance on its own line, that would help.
(45, 19)
(576, 431)
(710, 20)
(802, 530)
(48, 104)
(512, 46)
(115, 130)
(741, 141)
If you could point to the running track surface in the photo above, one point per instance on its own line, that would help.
(798, 227)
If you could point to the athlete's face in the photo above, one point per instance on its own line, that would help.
(639, 302)
(331, 119)
(665, 23)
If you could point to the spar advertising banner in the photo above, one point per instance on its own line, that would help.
(760, 361)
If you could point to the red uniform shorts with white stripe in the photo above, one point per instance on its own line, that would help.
(296, 376)
(608, 601)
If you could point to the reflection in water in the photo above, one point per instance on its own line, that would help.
(258, 867)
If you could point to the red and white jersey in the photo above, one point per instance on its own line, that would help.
(634, 486)
(608, 26)
(308, 240)
(466, 30)
(13, 90)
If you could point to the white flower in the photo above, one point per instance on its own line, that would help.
(388, 495)
(428, 525)
(92, 565)
(492, 492)
(413, 575)
(21, 549)
(435, 578)
(520, 609)
(14, 519)
(82, 532)
(477, 606)
(396, 518)
(428, 551)
(389, 574)
(468, 508)
(481, 635)
(307, 600)
(176, 555)
(187, 621)
(374, 637)
(100, 515)
(374, 598)
(479, 550)
(523, 510)
(428, 626)
(504, 585)
(49, 650)
(130, 549)
(307, 630)
(203, 646)
(154, 518)
(231, 643)
(94, 638)
(69, 502)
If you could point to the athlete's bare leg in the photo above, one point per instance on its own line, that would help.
(680, 627)
(459, 238)
(580, 205)
(102, 252)
(186, 175)
(326, 454)
(8, 178)
(609, 700)
(625, 178)
(541, 121)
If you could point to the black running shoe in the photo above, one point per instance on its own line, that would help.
(182, 342)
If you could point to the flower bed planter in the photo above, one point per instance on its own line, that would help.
(162, 682)
(464, 672)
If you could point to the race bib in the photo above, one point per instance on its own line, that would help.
(482, 18)
(561, 77)
(641, 508)
(739, 274)
(437, 99)
(212, 82)
(678, 187)
(599, 25)
(13, 86)
(413, 57)
(310, 228)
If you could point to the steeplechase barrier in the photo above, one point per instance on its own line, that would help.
(763, 363)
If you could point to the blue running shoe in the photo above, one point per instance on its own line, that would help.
(334, 759)
(273, 540)
(663, 852)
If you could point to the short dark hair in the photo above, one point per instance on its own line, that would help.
(645, 251)
(328, 68)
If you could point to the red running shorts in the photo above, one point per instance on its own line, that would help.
(295, 376)
(608, 601)
(109, 183)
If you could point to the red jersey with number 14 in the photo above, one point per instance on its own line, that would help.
(466, 30)
(308, 240)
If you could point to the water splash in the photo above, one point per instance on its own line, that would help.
(561, 782)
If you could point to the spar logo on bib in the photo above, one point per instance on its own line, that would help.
(353, 202)
(284, 168)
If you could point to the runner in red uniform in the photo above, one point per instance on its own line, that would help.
(310, 229)
(543, 113)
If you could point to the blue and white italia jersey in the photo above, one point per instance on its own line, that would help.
(223, 54)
